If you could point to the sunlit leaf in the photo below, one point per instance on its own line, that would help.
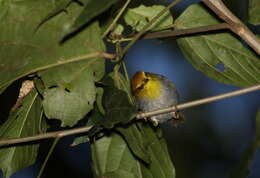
(25, 121)
(220, 56)
(138, 17)
(254, 12)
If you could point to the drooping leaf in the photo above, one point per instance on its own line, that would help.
(25, 121)
(24, 51)
(241, 170)
(92, 9)
(254, 12)
(138, 17)
(136, 141)
(161, 164)
(220, 56)
(112, 158)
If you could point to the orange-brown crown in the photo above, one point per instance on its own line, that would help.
(137, 79)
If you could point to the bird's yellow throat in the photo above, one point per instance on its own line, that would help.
(146, 86)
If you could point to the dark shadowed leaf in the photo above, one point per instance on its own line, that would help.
(117, 106)
(220, 56)
(24, 51)
(112, 158)
(91, 10)
(25, 121)
(254, 12)
(241, 170)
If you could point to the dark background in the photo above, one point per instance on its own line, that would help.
(214, 136)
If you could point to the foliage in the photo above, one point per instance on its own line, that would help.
(60, 46)
(254, 12)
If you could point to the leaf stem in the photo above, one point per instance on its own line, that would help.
(146, 27)
(63, 133)
(48, 156)
(111, 26)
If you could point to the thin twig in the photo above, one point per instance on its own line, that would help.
(116, 19)
(180, 32)
(56, 134)
(236, 25)
(199, 102)
(146, 27)
(63, 133)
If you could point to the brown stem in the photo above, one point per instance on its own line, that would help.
(189, 31)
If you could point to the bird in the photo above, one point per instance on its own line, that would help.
(152, 92)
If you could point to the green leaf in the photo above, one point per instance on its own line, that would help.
(117, 106)
(161, 164)
(25, 121)
(4, 7)
(138, 17)
(92, 9)
(24, 51)
(112, 157)
(254, 12)
(60, 6)
(241, 170)
(70, 92)
(211, 52)
(117, 100)
(136, 141)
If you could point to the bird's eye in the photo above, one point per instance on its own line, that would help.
(146, 80)
(141, 87)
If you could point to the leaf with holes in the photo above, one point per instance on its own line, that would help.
(25, 121)
(254, 12)
(140, 16)
(220, 56)
(24, 51)
(69, 92)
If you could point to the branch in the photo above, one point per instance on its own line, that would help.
(236, 25)
(199, 102)
(63, 133)
(189, 31)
